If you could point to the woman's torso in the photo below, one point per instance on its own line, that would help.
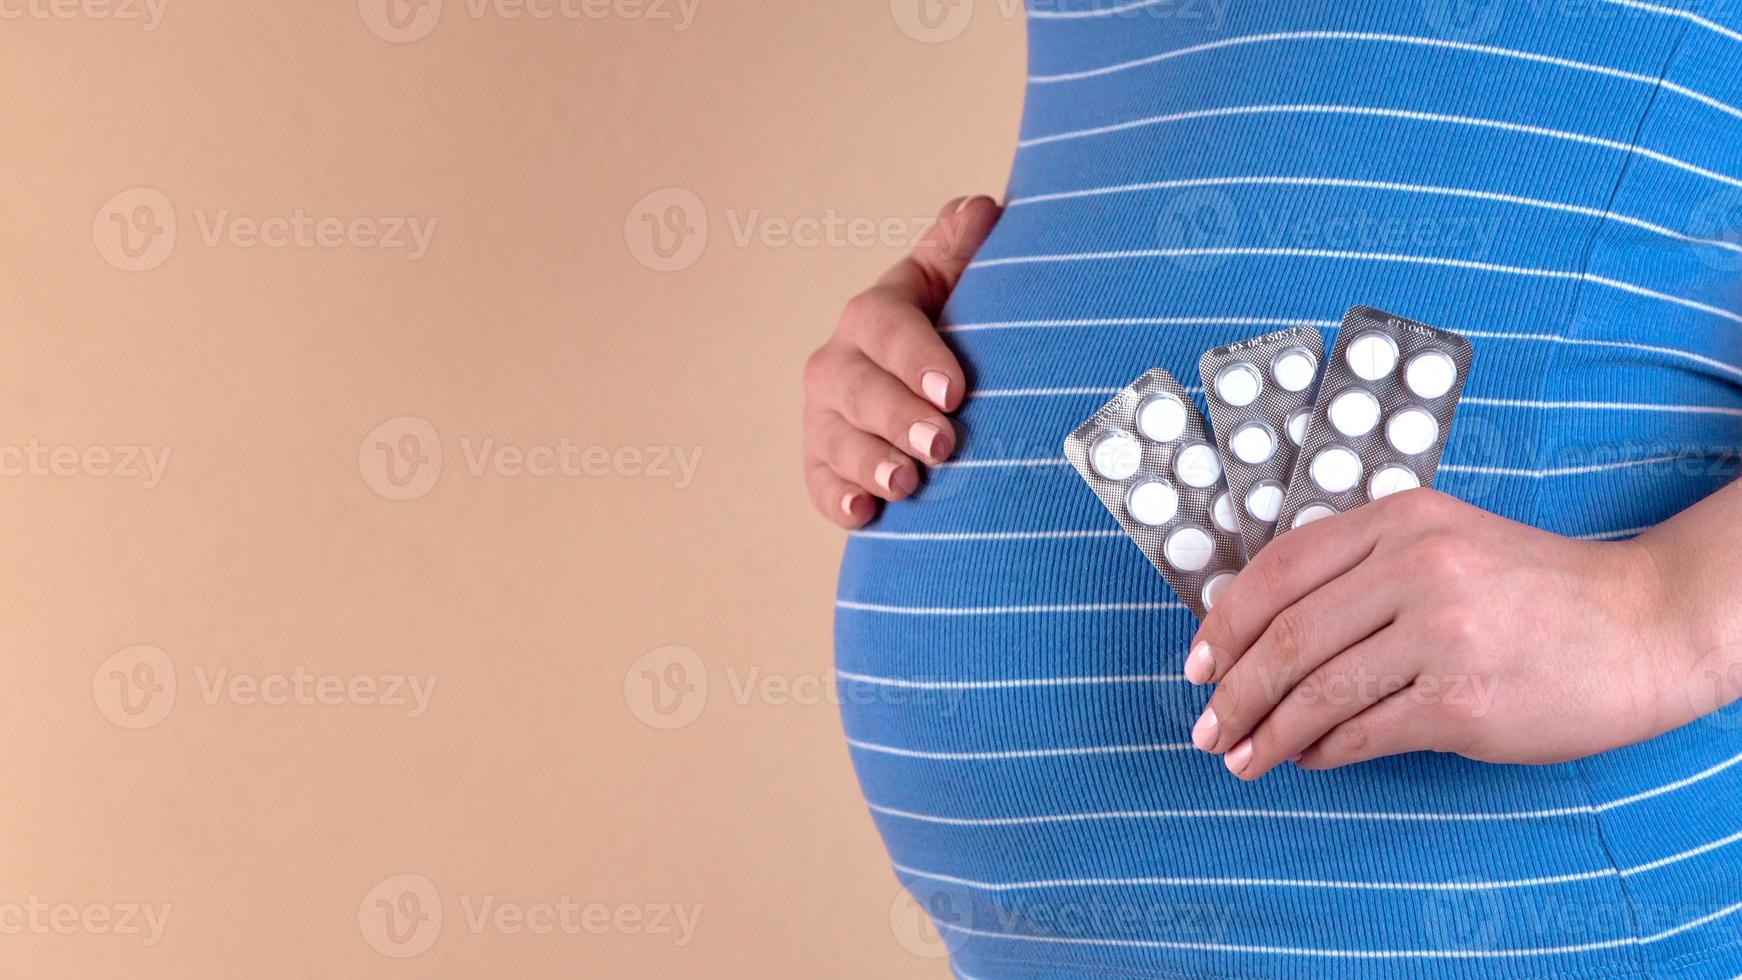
(1545, 178)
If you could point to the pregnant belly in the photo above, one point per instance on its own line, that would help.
(1009, 662)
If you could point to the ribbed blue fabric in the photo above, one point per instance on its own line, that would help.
(1561, 182)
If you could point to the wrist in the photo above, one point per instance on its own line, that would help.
(1698, 672)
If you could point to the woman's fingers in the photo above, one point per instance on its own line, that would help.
(878, 391)
(1352, 682)
(1296, 562)
(874, 401)
(1300, 639)
(894, 321)
(929, 273)
(860, 457)
(904, 343)
(847, 504)
(1289, 568)
(1395, 725)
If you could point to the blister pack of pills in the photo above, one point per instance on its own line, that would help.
(1386, 401)
(1260, 392)
(1147, 454)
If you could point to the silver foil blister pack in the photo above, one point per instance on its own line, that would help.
(1385, 407)
(1148, 456)
(1260, 392)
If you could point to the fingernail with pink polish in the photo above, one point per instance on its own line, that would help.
(936, 386)
(1238, 757)
(1200, 664)
(1204, 732)
(885, 475)
(847, 502)
(923, 437)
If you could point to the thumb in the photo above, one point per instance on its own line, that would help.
(929, 273)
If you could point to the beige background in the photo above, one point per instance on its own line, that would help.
(203, 713)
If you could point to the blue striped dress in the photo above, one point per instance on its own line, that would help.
(1559, 180)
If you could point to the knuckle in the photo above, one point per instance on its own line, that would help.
(818, 369)
(1230, 701)
(1352, 739)
(1280, 566)
(1289, 638)
(1444, 556)
(1421, 503)
(859, 311)
(853, 388)
(1458, 625)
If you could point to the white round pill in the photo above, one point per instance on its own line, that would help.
(1354, 412)
(1238, 384)
(1222, 512)
(1214, 588)
(1161, 417)
(1189, 549)
(1294, 368)
(1412, 431)
(1336, 469)
(1297, 426)
(1252, 443)
(1152, 502)
(1430, 374)
(1264, 501)
(1392, 479)
(1116, 456)
(1372, 355)
(1196, 466)
(1313, 512)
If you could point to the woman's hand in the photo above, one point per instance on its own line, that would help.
(1419, 622)
(877, 394)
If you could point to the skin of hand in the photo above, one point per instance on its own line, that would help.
(878, 393)
(1422, 623)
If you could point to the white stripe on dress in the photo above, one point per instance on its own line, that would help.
(1382, 38)
(1330, 815)
(1148, 881)
(1374, 185)
(1381, 112)
(1348, 255)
